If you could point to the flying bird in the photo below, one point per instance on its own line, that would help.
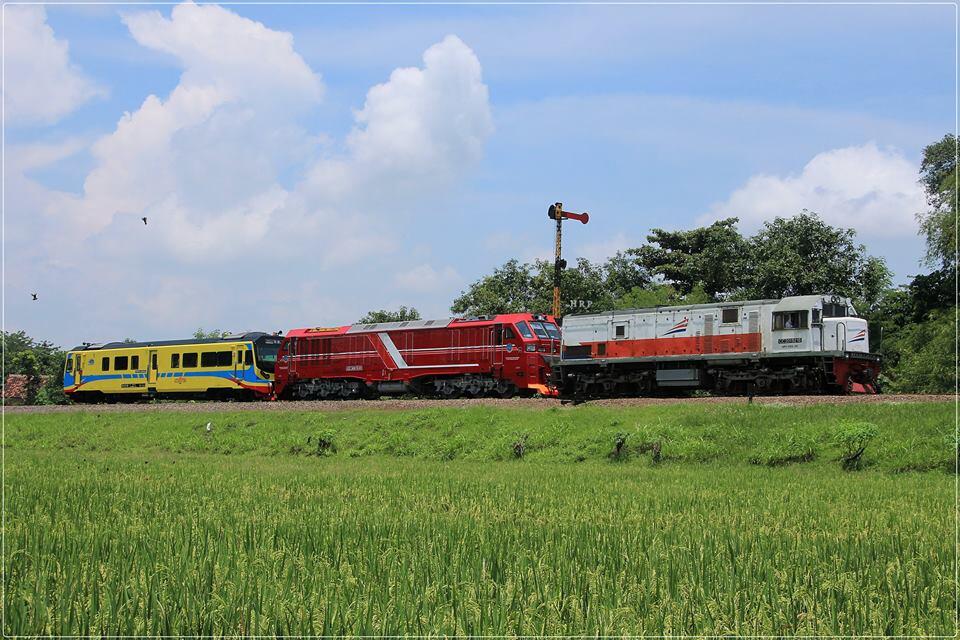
(34, 296)
(144, 220)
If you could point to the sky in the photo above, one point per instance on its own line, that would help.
(299, 165)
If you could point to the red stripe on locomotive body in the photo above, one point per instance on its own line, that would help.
(675, 346)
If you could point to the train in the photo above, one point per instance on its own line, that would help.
(797, 344)
(234, 367)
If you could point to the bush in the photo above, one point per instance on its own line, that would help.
(852, 438)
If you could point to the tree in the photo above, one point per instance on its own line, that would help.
(713, 257)
(938, 174)
(661, 295)
(925, 355)
(42, 362)
(509, 289)
(401, 315)
(803, 255)
(200, 334)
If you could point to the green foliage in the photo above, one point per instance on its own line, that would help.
(400, 315)
(713, 258)
(852, 438)
(42, 362)
(227, 534)
(787, 448)
(938, 173)
(516, 287)
(923, 355)
(803, 255)
(661, 295)
(200, 334)
(727, 434)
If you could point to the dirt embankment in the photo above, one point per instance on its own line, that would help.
(518, 403)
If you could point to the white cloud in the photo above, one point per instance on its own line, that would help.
(870, 189)
(425, 278)
(419, 130)
(237, 189)
(41, 84)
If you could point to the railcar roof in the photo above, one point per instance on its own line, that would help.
(250, 335)
(800, 300)
(320, 332)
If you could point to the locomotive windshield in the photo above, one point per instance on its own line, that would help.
(524, 330)
(834, 310)
(552, 330)
(539, 330)
(266, 348)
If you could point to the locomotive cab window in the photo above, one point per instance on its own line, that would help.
(69, 364)
(783, 320)
(120, 363)
(620, 330)
(834, 310)
(524, 330)
(815, 319)
(248, 358)
(730, 315)
(189, 361)
(508, 334)
(174, 360)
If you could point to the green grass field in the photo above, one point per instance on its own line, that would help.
(425, 522)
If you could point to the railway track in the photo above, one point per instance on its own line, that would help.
(413, 404)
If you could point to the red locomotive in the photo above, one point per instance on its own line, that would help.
(499, 355)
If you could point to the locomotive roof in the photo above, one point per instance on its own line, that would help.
(791, 302)
(410, 325)
(233, 337)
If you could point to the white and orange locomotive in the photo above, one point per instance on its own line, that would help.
(799, 344)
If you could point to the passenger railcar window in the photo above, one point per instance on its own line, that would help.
(730, 315)
(224, 358)
(620, 331)
(174, 360)
(789, 320)
(189, 361)
(105, 364)
(249, 357)
(208, 359)
(120, 363)
(69, 364)
(134, 362)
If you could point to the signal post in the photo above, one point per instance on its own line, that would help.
(556, 212)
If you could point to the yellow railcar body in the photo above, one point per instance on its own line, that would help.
(213, 368)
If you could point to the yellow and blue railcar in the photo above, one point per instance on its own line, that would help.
(238, 366)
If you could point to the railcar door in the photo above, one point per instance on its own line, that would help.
(841, 336)
(152, 368)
